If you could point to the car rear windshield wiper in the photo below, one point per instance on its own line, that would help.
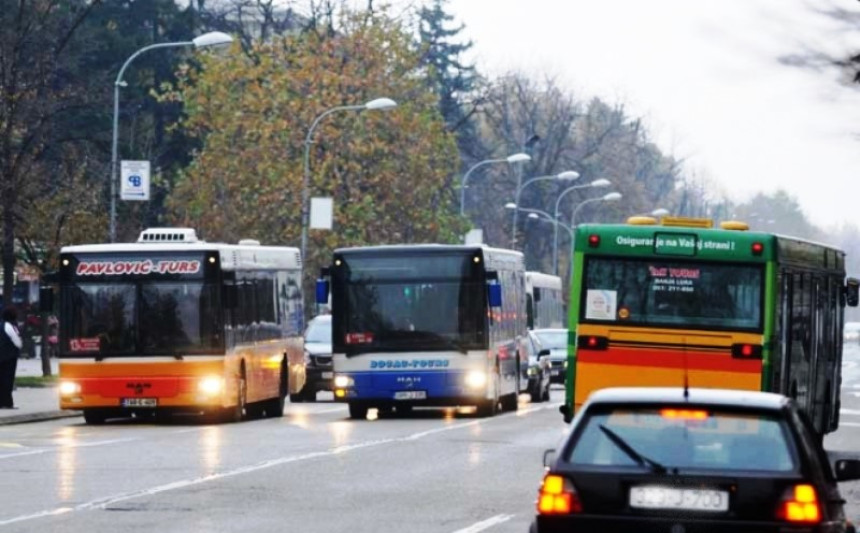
(640, 459)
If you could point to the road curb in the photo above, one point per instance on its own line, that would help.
(37, 417)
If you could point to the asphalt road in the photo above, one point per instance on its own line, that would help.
(313, 470)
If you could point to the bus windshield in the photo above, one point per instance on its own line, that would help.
(672, 293)
(141, 319)
(428, 303)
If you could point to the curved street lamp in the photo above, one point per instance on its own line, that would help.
(610, 197)
(513, 158)
(207, 40)
(538, 213)
(602, 182)
(379, 104)
(566, 175)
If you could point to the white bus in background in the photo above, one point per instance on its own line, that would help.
(427, 325)
(544, 302)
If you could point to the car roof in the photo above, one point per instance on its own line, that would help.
(321, 318)
(550, 330)
(714, 397)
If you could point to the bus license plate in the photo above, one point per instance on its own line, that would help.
(139, 402)
(656, 497)
(410, 395)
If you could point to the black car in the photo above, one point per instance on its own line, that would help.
(538, 369)
(700, 460)
(318, 365)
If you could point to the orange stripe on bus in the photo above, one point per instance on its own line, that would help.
(645, 359)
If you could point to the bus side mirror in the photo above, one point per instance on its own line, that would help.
(46, 299)
(852, 292)
(494, 294)
(322, 291)
(231, 297)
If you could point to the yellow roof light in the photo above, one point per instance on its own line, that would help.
(687, 222)
(735, 225)
(641, 221)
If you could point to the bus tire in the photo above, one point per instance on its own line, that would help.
(487, 408)
(236, 413)
(357, 411)
(275, 407)
(94, 417)
(510, 401)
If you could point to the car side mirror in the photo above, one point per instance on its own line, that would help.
(322, 291)
(549, 457)
(494, 294)
(544, 353)
(847, 469)
(852, 292)
(46, 299)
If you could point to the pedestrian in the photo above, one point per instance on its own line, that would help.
(10, 350)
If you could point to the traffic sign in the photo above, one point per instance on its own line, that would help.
(134, 180)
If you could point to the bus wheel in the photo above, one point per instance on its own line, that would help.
(94, 417)
(487, 408)
(237, 412)
(357, 412)
(274, 408)
(509, 402)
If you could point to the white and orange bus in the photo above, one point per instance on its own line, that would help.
(174, 324)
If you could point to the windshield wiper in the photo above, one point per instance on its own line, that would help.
(628, 450)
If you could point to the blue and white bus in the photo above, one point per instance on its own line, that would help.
(427, 325)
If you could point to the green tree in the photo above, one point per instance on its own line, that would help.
(38, 96)
(252, 112)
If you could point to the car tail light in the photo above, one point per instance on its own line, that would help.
(746, 351)
(592, 342)
(557, 496)
(800, 505)
(684, 414)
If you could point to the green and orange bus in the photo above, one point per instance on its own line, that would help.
(682, 303)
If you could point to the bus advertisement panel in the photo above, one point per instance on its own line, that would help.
(681, 304)
(159, 327)
(416, 325)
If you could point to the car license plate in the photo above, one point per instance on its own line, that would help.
(656, 497)
(327, 375)
(139, 402)
(410, 395)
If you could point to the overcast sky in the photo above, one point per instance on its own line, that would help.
(706, 76)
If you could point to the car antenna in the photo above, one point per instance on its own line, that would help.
(686, 372)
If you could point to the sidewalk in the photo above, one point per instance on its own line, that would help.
(34, 404)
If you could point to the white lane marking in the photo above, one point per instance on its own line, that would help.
(850, 424)
(850, 412)
(101, 503)
(486, 524)
(40, 451)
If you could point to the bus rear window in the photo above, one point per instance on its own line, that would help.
(672, 293)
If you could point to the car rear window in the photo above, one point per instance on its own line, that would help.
(685, 438)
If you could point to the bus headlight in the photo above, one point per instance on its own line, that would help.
(211, 385)
(69, 388)
(341, 382)
(476, 379)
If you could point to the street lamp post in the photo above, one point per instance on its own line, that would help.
(566, 175)
(610, 197)
(373, 105)
(215, 38)
(538, 213)
(596, 183)
(514, 158)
